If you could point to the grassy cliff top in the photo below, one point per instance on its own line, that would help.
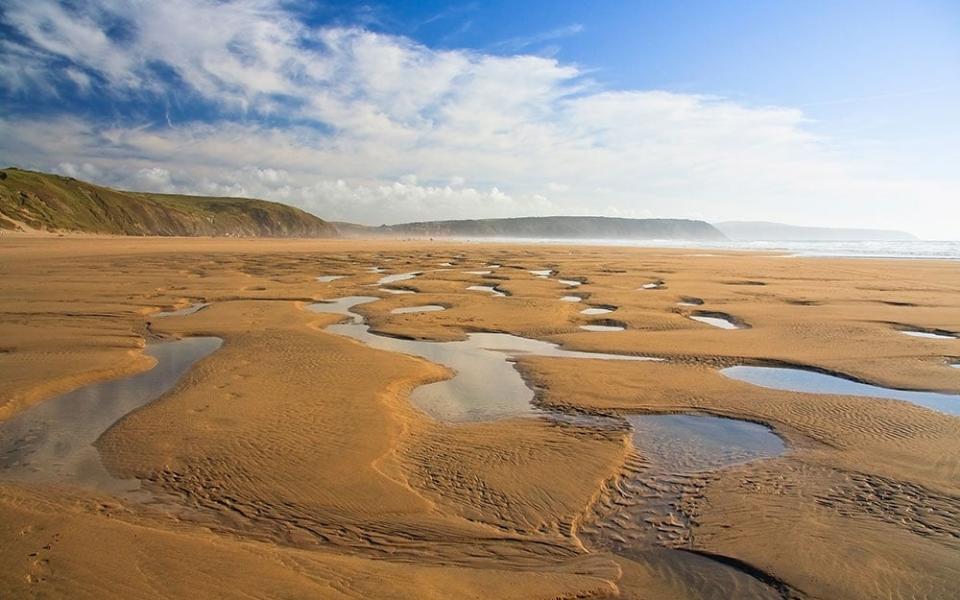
(31, 200)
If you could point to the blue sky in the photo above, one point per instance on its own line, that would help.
(813, 112)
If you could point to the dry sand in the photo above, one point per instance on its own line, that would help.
(291, 463)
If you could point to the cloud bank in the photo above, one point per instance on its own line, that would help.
(242, 98)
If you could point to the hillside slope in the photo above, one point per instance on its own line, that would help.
(41, 201)
(552, 228)
(760, 230)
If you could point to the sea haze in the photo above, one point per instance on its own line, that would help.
(939, 250)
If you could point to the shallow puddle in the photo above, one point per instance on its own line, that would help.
(570, 282)
(418, 309)
(602, 327)
(675, 458)
(653, 285)
(717, 320)
(53, 441)
(485, 386)
(571, 299)
(486, 288)
(930, 335)
(329, 278)
(342, 306)
(691, 443)
(813, 382)
(596, 310)
(478, 272)
(397, 291)
(542, 274)
(398, 277)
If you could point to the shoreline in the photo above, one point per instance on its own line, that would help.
(784, 248)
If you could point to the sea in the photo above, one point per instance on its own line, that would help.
(918, 249)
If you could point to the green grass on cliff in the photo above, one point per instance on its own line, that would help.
(41, 201)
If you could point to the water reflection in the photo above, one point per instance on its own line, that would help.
(486, 288)
(398, 277)
(717, 320)
(693, 443)
(602, 327)
(930, 335)
(596, 310)
(485, 386)
(812, 382)
(53, 441)
(418, 309)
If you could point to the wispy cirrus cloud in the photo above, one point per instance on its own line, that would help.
(357, 125)
(456, 10)
(524, 42)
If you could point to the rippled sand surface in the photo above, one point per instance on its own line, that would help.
(293, 461)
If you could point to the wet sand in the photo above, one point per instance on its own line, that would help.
(292, 461)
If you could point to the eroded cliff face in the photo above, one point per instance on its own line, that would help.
(40, 201)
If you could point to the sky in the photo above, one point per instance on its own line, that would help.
(837, 113)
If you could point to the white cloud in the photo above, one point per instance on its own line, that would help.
(79, 78)
(155, 179)
(388, 130)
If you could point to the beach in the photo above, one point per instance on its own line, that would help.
(302, 453)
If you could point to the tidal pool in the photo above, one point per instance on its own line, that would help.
(570, 282)
(485, 386)
(675, 457)
(418, 309)
(692, 443)
(52, 442)
(602, 327)
(717, 320)
(329, 278)
(398, 277)
(396, 291)
(596, 310)
(478, 272)
(813, 382)
(542, 274)
(486, 288)
(571, 299)
(930, 335)
(343, 306)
